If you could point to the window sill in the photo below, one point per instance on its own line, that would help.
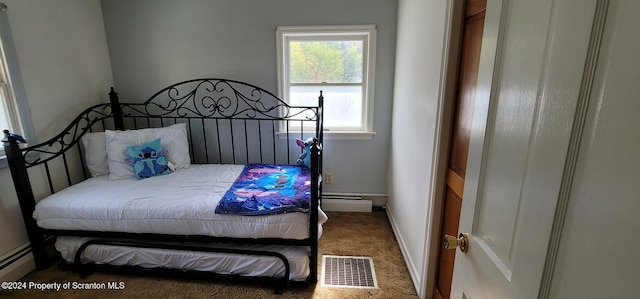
(331, 135)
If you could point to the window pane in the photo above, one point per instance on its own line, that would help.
(342, 104)
(325, 61)
(5, 123)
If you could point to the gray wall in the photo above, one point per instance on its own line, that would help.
(62, 54)
(155, 43)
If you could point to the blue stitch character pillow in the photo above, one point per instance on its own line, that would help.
(148, 159)
(304, 160)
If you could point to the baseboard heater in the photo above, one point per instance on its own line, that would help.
(19, 262)
(14, 255)
(351, 202)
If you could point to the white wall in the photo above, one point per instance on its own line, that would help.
(420, 52)
(156, 43)
(64, 61)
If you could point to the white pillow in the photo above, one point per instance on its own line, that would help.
(95, 152)
(173, 139)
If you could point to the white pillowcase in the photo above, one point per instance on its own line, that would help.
(95, 152)
(173, 139)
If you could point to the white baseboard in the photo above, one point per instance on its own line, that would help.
(411, 266)
(18, 269)
(346, 205)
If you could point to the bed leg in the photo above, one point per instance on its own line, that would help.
(26, 199)
(85, 270)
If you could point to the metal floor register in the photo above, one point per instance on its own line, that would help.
(348, 272)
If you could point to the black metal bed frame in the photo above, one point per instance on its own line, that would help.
(228, 121)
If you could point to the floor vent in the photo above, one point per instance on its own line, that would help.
(348, 272)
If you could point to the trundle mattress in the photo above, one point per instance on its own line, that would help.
(181, 203)
(220, 263)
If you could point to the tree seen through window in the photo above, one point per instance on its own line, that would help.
(326, 61)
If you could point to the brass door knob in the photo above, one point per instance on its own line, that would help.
(451, 242)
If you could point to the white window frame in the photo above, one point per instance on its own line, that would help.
(365, 33)
(12, 88)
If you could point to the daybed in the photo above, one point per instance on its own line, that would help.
(108, 209)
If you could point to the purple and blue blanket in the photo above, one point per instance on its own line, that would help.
(267, 189)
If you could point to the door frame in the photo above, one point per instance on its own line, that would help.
(451, 72)
(448, 85)
(453, 35)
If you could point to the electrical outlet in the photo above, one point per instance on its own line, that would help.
(328, 178)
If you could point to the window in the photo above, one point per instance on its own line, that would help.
(9, 118)
(339, 60)
(14, 111)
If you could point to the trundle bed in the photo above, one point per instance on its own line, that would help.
(143, 186)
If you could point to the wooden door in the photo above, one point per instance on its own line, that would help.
(533, 78)
(473, 24)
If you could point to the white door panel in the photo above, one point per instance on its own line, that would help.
(530, 79)
(598, 253)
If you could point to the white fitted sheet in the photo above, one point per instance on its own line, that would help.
(181, 203)
(245, 265)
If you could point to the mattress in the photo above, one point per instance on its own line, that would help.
(181, 203)
(238, 264)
